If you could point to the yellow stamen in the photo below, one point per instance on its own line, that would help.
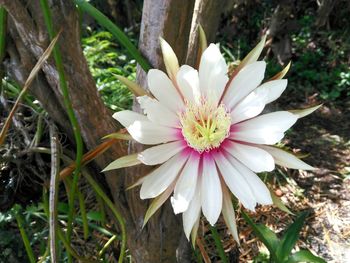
(205, 125)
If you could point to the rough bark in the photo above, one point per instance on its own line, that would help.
(162, 240)
(163, 235)
(207, 13)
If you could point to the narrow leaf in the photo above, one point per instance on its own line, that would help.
(170, 59)
(305, 256)
(266, 235)
(26, 86)
(132, 86)
(291, 236)
(158, 202)
(122, 162)
(282, 73)
(305, 112)
(218, 244)
(115, 30)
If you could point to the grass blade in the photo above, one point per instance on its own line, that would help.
(305, 256)
(115, 30)
(26, 86)
(24, 236)
(218, 244)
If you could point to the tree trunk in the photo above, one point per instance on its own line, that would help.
(162, 240)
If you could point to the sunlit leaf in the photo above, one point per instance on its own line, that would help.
(305, 256)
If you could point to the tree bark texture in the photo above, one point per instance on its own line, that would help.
(162, 240)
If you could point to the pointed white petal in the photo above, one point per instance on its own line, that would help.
(249, 107)
(170, 59)
(127, 117)
(259, 189)
(265, 129)
(186, 184)
(244, 82)
(304, 112)
(122, 162)
(132, 86)
(229, 213)
(212, 73)
(147, 132)
(157, 181)
(161, 153)
(272, 90)
(192, 214)
(286, 159)
(157, 112)
(254, 158)
(235, 182)
(254, 54)
(211, 193)
(163, 89)
(188, 81)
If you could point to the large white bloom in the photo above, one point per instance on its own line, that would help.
(208, 138)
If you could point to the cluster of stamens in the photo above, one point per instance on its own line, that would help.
(205, 125)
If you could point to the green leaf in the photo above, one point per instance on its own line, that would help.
(115, 30)
(305, 256)
(265, 234)
(279, 204)
(291, 236)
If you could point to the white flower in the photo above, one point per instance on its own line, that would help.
(208, 136)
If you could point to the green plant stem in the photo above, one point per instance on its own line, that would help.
(83, 215)
(73, 120)
(115, 30)
(25, 239)
(218, 244)
(109, 242)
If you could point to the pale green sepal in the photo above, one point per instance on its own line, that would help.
(132, 86)
(229, 213)
(157, 203)
(170, 59)
(253, 55)
(279, 204)
(119, 136)
(122, 162)
(137, 183)
(282, 73)
(203, 44)
(194, 232)
(304, 112)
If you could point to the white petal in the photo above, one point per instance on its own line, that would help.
(254, 158)
(229, 213)
(273, 89)
(235, 182)
(122, 162)
(127, 117)
(156, 182)
(245, 82)
(266, 129)
(249, 107)
(186, 184)
(188, 81)
(259, 189)
(163, 89)
(157, 112)
(211, 193)
(147, 132)
(286, 159)
(255, 102)
(192, 214)
(161, 153)
(212, 73)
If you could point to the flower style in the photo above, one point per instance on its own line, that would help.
(207, 137)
